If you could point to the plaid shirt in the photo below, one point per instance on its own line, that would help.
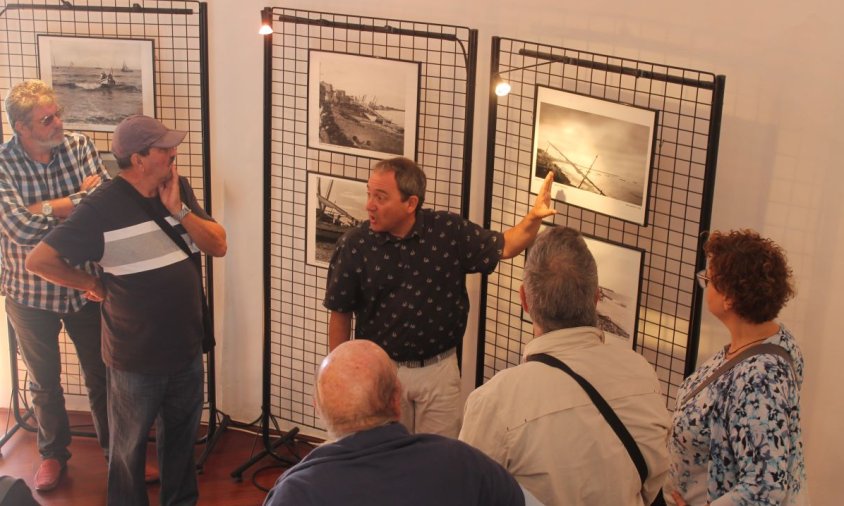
(22, 182)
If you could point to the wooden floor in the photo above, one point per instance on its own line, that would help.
(85, 481)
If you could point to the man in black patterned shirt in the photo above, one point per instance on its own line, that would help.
(402, 275)
(44, 174)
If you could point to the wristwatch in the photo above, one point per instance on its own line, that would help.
(46, 208)
(182, 213)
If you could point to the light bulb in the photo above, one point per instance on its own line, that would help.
(502, 89)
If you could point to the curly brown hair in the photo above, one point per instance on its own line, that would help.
(751, 271)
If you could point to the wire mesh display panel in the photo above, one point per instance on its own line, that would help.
(177, 30)
(678, 197)
(300, 165)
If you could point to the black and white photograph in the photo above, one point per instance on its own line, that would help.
(361, 105)
(99, 82)
(335, 205)
(600, 152)
(619, 284)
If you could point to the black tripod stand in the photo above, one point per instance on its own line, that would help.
(288, 439)
(14, 405)
(21, 420)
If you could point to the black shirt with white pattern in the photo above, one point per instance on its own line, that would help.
(409, 294)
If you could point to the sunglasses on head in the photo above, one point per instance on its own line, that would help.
(48, 119)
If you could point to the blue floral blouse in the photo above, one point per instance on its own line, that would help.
(738, 441)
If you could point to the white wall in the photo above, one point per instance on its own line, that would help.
(777, 168)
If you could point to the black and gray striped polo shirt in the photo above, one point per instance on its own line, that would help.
(152, 316)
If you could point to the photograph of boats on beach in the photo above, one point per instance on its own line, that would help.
(361, 105)
(335, 206)
(619, 288)
(601, 152)
(99, 82)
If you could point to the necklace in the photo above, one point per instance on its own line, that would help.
(732, 351)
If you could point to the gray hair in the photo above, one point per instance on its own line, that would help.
(561, 280)
(26, 96)
(410, 178)
(125, 162)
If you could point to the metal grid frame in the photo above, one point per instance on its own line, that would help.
(689, 104)
(179, 33)
(295, 321)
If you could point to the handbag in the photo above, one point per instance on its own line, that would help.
(208, 340)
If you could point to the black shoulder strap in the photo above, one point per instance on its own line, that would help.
(605, 409)
(162, 223)
(759, 349)
(209, 341)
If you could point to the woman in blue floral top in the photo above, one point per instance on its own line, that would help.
(738, 440)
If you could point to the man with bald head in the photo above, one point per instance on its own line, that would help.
(374, 459)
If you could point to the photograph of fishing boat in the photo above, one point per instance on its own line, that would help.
(600, 152)
(619, 287)
(619, 281)
(335, 205)
(362, 106)
(98, 81)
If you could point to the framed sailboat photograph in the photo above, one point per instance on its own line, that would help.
(601, 152)
(335, 206)
(98, 81)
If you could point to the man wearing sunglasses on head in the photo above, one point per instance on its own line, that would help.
(44, 173)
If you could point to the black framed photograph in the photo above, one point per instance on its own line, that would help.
(361, 105)
(601, 152)
(620, 288)
(335, 206)
(98, 81)
(619, 282)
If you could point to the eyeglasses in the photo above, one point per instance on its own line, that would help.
(702, 279)
(48, 119)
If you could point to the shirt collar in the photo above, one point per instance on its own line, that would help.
(564, 340)
(16, 145)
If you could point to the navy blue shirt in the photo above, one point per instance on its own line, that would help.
(388, 465)
(409, 294)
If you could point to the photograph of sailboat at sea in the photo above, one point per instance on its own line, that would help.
(99, 82)
(335, 206)
(601, 152)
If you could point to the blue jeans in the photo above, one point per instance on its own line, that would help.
(37, 332)
(174, 402)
